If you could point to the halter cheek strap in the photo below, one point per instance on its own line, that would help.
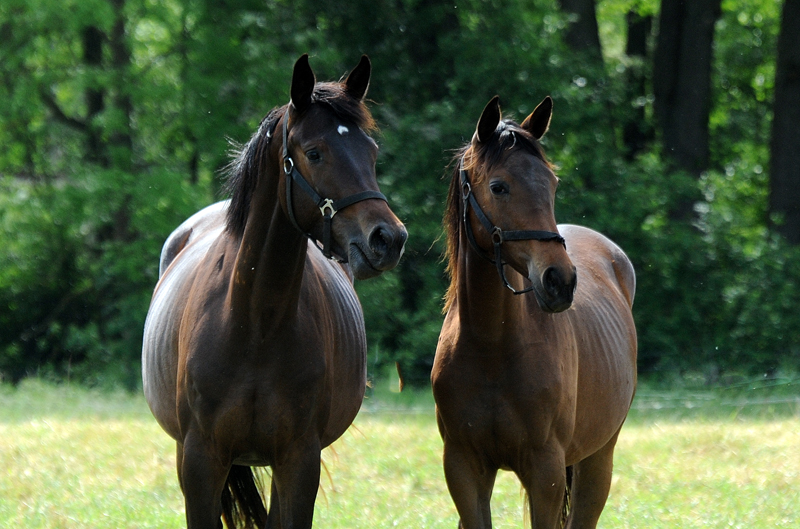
(327, 207)
(498, 235)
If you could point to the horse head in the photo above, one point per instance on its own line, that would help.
(330, 189)
(506, 178)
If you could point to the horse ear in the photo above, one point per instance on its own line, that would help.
(487, 124)
(303, 81)
(357, 82)
(539, 120)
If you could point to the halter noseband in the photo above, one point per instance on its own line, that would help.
(498, 235)
(327, 207)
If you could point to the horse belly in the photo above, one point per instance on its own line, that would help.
(347, 369)
(161, 331)
(607, 373)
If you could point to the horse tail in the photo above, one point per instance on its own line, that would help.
(567, 498)
(242, 502)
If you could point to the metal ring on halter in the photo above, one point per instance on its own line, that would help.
(327, 205)
(288, 165)
(497, 235)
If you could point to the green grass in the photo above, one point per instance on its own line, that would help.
(77, 458)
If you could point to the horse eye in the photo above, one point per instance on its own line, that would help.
(498, 188)
(313, 155)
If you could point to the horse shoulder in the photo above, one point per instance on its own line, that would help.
(445, 346)
(329, 282)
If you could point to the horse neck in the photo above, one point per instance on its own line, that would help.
(271, 256)
(486, 307)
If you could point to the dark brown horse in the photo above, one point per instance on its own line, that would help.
(254, 348)
(539, 384)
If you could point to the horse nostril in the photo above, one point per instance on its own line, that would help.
(380, 240)
(557, 285)
(553, 282)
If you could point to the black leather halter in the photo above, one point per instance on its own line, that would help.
(327, 207)
(498, 235)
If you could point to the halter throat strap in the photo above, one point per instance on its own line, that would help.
(497, 235)
(327, 206)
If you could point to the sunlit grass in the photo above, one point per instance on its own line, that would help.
(76, 458)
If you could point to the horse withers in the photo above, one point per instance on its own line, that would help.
(254, 347)
(535, 369)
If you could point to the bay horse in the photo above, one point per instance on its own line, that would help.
(538, 384)
(254, 348)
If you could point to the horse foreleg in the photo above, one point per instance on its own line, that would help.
(295, 481)
(202, 475)
(545, 480)
(591, 483)
(470, 483)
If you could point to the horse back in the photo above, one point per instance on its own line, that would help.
(209, 218)
(602, 258)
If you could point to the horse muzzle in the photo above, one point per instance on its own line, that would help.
(555, 289)
(379, 252)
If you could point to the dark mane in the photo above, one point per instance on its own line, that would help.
(249, 160)
(508, 135)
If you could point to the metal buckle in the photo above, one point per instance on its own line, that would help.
(497, 235)
(466, 189)
(328, 204)
(288, 165)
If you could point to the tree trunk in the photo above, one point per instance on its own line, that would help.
(94, 93)
(582, 34)
(121, 139)
(636, 133)
(120, 136)
(682, 80)
(784, 195)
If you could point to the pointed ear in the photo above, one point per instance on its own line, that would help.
(357, 82)
(487, 124)
(303, 81)
(539, 120)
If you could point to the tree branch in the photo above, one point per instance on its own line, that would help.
(50, 102)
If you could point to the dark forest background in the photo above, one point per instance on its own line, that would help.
(676, 132)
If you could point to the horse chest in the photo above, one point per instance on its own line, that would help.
(497, 407)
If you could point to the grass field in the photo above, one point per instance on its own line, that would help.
(76, 458)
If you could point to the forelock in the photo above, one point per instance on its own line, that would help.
(507, 136)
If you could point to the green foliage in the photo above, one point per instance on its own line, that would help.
(77, 292)
(86, 200)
